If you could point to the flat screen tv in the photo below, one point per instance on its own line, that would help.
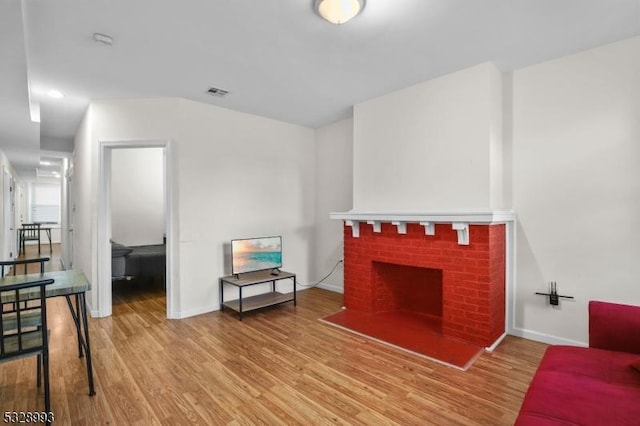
(256, 254)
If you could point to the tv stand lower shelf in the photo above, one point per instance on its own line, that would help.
(251, 303)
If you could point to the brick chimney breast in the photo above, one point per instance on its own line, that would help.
(448, 267)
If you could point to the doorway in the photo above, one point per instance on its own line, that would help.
(105, 220)
(138, 255)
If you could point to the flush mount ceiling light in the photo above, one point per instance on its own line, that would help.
(338, 11)
(55, 94)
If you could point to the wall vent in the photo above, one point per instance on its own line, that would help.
(214, 91)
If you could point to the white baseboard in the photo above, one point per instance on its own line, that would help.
(93, 313)
(496, 343)
(545, 338)
(197, 311)
(324, 286)
(331, 287)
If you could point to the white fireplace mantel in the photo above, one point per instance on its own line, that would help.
(460, 220)
(472, 217)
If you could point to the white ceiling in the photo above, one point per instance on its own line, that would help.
(277, 58)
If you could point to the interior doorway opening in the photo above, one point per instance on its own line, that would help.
(138, 234)
(136, 220)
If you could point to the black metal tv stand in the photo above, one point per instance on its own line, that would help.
(242, 305)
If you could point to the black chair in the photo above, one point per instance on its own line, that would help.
(12, 265)
(23, 328)
(29, 232)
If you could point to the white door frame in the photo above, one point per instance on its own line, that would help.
(9, 248)
(104, 222)
(67, 210)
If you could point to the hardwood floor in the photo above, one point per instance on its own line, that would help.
(278, 366)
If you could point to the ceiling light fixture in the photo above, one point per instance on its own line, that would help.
(55, 94)
(338, 11)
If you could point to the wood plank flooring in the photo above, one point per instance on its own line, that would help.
(278, 366)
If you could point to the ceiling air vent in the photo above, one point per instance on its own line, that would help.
(214, 91)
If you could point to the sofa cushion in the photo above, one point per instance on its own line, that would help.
(562, 398)
(636, 364)
(596, 364)
(582, 386)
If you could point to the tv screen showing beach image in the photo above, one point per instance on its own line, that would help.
(256, 254)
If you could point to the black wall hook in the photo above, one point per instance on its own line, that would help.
(554, 297)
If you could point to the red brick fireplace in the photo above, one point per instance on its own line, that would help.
(452, 274)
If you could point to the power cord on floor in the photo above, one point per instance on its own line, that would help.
(323, 278)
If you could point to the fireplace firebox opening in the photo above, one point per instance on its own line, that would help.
(412, 289)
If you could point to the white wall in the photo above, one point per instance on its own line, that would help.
(576, 186)
(334, 193)
(84, 189)
(235, 175)
(110, 121)
(435, 146)
(240, 176)
(137, 196)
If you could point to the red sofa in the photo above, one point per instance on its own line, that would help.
(597, 385)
